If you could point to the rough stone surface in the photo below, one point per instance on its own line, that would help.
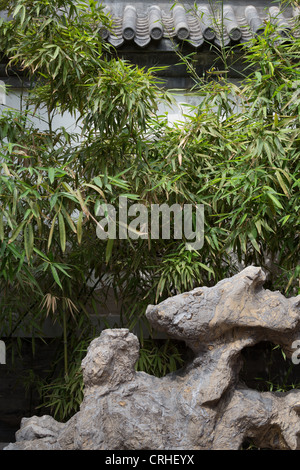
(201, 406)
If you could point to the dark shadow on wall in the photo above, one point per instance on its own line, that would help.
(18, 378)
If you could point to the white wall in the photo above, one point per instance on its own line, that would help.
(16, 99)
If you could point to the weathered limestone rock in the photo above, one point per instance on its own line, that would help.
(202, 406)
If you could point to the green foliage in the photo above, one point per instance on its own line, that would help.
(240, 161)
(239, 156)
(61, 395)
(160, 359)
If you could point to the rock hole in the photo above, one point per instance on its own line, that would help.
(266, 368)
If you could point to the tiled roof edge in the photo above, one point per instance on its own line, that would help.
(141, 25)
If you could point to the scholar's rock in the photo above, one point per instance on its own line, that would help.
(202, 406)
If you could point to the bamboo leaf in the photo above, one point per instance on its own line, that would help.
(62, 231)
(79, 227)
(253, 241)
(274, 199)
(16, 232)
(51, 175)
(51, 232)
(68, 218)
(28, 240)
(282, 184)
(1, 227)
(108, 251)
(55, 275)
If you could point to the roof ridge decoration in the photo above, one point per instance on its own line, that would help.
(142, 23)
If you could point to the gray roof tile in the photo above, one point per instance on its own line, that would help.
(142, 23)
